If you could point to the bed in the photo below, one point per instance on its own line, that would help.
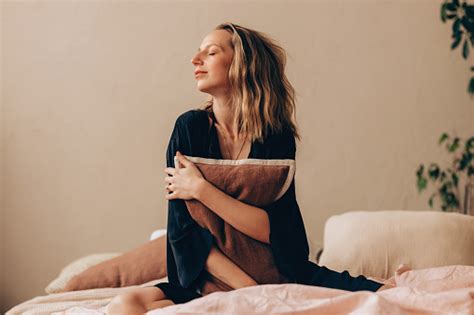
(439, 247)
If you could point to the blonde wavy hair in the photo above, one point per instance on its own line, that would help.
(261, 95)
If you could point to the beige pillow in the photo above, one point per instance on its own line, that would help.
(145, 263)
(75, 268)
(375, 243)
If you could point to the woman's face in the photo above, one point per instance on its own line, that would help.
(214, 57)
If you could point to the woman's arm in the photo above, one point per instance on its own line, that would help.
(187, 183)
(225, 270)
(250, 220)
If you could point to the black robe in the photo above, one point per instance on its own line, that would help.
(188, 244)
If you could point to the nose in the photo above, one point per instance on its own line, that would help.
(195, 60)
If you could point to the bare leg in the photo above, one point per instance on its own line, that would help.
(138, 301)
(159, 304)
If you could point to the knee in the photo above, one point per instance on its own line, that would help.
(126, 298)
(123, 302)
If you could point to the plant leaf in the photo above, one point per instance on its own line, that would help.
(433, 172)
(470, 88)
(430, 201)
(465, 49)
(453, 201)
(421, 183)
(455, 179)
(454, 145)
(470, 170)
(443, 12)
(469, 9)
(465, 161)
(451, 7)
(456, 42)
(444, 137)
(469, 144)
(451, 16)
(420, 170)
(457, 26)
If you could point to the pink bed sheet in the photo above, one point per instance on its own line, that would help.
(440, 290)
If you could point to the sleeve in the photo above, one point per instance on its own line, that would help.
(289, 243)
(188, 244)
(324, 277)
(288, 240)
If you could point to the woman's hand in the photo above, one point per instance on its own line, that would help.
(391, 283)
(386, 286)
(185, 182)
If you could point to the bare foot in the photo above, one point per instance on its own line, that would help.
(401, 269)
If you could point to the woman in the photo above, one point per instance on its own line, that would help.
(250, 114)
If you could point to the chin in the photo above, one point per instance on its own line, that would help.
(210, 88)
(204, 88)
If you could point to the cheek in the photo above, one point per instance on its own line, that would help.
(218, 73)
(218, 68)
(224, 68)
(220, 65)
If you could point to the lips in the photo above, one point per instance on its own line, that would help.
(199, 74)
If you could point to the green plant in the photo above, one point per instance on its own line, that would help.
(462, 15)
(446, 180)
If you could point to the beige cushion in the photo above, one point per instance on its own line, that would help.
(75, 268)
(375, 243)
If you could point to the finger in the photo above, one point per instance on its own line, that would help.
(183, 160)
(169, 179)
(170, 170)
(176, 162)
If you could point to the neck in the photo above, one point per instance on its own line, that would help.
(225, 115)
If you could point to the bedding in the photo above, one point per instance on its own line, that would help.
(92, 301)
(439, 290)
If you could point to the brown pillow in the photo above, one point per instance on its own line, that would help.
(145, 263)
(76, 267)
(257, 182)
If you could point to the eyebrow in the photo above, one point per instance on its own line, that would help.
(199, 49)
